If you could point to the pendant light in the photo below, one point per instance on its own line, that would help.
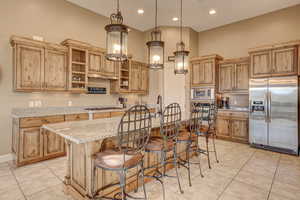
(181, 55)
(156, 47)
(116, 37)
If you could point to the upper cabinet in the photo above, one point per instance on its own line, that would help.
(203, 70)
(38, 66)
(99, 66)
(274, 60)
(234, 75)
(139, 77)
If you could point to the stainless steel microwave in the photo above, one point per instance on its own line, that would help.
(203, 93)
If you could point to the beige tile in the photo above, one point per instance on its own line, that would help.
(261, 181)
(52, 193)
(275, 196)
(244, 191)
(258, 169)
(7, 181)
(32, 186)
(286, 190)
(31, 172)
(292, 179)
(10, 192)
(4, 170)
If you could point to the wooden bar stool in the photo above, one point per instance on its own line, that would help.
(165, 143)
(133, 134)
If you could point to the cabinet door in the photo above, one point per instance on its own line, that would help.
(29, 70)
(195, 75)
(55, 70)
(226, 77)
(135, 76)
(260, 64)
(208, 72)
(111, 68)
(31, 144)
(144, 79)
(96, 64)
(54, 144)
(242, 77)
(284, 61)
(223, 127)
(239, 129)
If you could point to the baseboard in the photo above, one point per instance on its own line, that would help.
(6, 158)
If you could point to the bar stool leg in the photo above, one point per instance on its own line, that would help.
(122, 184)
(163, 163)
(188, 162)
(216, 156)
(207, 151)
(199, 156)
(176, 167)
(143, 180)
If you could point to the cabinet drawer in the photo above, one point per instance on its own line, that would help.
(101, 115)
(224, 114)
(240, 115)
(77, 117)
(39, 121)
(117, 114)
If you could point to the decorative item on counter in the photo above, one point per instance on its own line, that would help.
(116, 37)
(181, 55)
(123, 101)
(156, 47)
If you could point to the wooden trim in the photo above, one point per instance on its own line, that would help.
(274, 46)
(235, 60)
(206, 57)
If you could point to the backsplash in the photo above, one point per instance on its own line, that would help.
(237, 100)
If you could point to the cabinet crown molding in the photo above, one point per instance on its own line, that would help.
(207, 57)
(235, 60)
(275, 46)
(14, 40)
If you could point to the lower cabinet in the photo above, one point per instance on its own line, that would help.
(31, 145)
(54, 145)
(233, 128)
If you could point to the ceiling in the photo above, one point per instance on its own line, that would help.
(195, 12)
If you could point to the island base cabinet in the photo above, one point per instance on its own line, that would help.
(79, 181)
(54, 145)
(31, 145)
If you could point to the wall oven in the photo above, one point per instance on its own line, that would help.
(203, 94)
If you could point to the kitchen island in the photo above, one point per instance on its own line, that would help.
(84, 139)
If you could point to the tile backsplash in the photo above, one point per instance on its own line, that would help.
(237, 100)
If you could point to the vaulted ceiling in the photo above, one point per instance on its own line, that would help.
(195, 12)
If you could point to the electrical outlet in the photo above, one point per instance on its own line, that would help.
(70, 103)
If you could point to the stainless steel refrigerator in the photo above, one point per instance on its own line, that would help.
(273, 121)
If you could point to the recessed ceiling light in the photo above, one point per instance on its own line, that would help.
(140, 11)
(175, 19)
(212, 11)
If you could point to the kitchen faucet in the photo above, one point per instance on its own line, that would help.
(159, 102)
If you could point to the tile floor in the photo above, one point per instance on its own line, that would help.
(243, 173)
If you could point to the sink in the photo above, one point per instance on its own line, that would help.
(102, 108)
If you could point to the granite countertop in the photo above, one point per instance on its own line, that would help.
(233, 109)
(81, 132)
(50, 111)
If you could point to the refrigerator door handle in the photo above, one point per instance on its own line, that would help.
(266, 108)
(270, 106)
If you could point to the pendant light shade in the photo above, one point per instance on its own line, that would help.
(116, 37)
(156, 47)
(181, 55)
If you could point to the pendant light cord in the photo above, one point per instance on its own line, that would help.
(118, 5)
(155, 14)
(181, 20)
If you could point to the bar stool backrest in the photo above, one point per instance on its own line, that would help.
(171, 121)
(195, 118)
(134, 129)
(213, 116)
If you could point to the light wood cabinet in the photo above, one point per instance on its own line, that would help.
(144, 79)
(38, 66)
(99, 66)
(274, 60)
(239, 129)
(55, 70)
(135, 74)
(234, 75)
(233, 126)
(54, 145)
(226, 77)
(31, 145)
(203, 70)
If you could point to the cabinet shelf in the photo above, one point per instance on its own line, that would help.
(77, 72)
(78, 63)
(78, 82)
